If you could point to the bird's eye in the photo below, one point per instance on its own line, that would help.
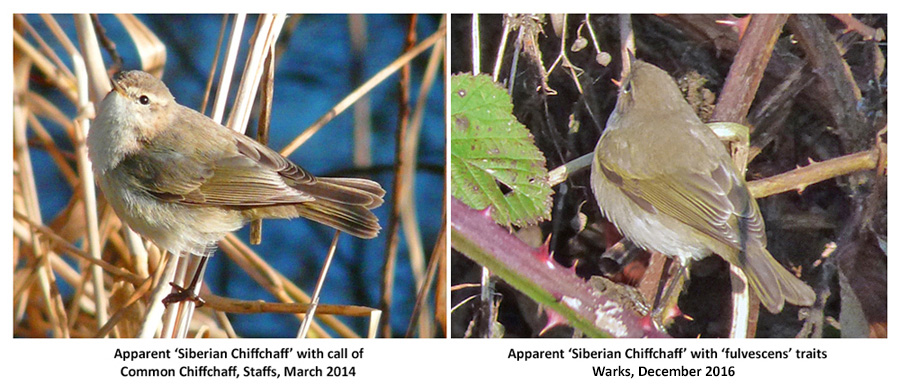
(144, 99)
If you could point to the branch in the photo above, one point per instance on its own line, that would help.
(534, 273)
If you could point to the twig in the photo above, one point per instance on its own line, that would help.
(234, 44)
(747, 69)
(275, 283)
(400, 183)
(561, 173)
(626, 37)
(156, 310)
(841, 95)
(362, 113)
(504, 35)
(801, 178)
(45, 48)
(476, 45)
(314, 302)
(734, 103)
(376, 79)
(89, 193)
(66, 84)
(46, 282)
(262, 126)
(408, 213)
(114, 271)
(437, 255)
(534, 273)
(229, 305)
(853, 24)
(563, 60)
(215, 65)
(603, 58)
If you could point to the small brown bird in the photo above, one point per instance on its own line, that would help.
(668, 184)
(184, 181)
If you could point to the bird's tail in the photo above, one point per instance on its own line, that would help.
(344, 204)
(772, 282)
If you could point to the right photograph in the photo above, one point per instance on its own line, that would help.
(668, 176)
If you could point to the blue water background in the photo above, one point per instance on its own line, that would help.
(313, 74)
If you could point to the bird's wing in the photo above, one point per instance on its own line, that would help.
(304, 186)
(253, 175)
(713, 201)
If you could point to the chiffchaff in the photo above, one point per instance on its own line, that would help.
(184, 181)
(668, 184)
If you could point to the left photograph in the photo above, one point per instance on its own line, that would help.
(220, 176)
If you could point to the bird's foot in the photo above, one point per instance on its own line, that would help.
(182, 294)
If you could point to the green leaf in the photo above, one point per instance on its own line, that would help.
(489, 148)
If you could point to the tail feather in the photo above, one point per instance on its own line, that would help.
(773, 283)
(341, 203)
(344, 204)
(349, 191)
(355, 220)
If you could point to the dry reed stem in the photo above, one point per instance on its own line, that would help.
(47, 141)
(82, 126)
(39, 258)
(274, 282)
(408, 212)
(267, 33)
(225, 324)
(93, 59)
(44, 47)
(440, 288)
(262, 126)
(129, 285)
(215, 64)
(155, 314)
(229, 305)
(376, 79)
(172, 320)
(267, 30)
(234, 44)
(317, 291)
(177, 320)
(438, 256)
(150, 49)
(52, 74)
(72, 250)
(362, 114)
(39, 106)
(400, 182)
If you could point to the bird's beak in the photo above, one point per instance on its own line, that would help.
(116, 87)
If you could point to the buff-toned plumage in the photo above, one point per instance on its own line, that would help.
(668, 184)
(184, 181)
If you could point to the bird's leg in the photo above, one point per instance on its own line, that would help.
(673, 282)
(180, 294)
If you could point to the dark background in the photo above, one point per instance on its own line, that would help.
(848, 210)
